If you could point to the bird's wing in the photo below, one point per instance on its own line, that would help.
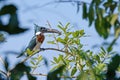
(32, 43)
(30, 46)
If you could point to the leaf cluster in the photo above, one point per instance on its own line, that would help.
(86, 65)
(104, 14)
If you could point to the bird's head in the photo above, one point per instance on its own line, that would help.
(45, 30)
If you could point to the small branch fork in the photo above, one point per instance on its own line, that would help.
(40, 74)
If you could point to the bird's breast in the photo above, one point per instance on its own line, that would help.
(40, 38)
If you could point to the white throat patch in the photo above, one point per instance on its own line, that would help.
(37, 33)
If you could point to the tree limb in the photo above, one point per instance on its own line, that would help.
(43, 49)
(40, 74)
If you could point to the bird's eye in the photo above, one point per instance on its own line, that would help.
(42, 28)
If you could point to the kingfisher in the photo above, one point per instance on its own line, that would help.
(37, 40)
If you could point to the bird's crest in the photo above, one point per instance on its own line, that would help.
(36, 28)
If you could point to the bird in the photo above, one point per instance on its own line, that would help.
(38, 38)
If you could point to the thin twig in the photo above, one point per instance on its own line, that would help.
(2, 61)
(3, 73)
(53, 35)
(40, 74)
(55, 49)
(70, 1)
(53, 2)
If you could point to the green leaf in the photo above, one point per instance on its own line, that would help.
(2, 38)
(82, 32)
(114, 17)
(61, 27)
(78, 33)
(40, 58)
(32, 62)
(98, 26)
(29, 52)
(61, 40)
(8, 9)
(102, 28)
(13, 26)
(82, 76)
(110, 47)
(113, 6)
(60, 57)
(119, 7)
(77, 41)
(107, 4)
(13, 22)
(66, 26)
(91, 14)
(98, 58)
(51, 42)
(101, 66)
(18, 71)
(54, 75)
(74, 70)
(30, 77)
(103, 50)
(55, 59)
(117, 32)
(84, 15)
(97, 2)
(112, 67)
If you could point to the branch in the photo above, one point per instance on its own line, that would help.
(53, 2)
(3, 73)
(40, 74)
(55, 50)
(70, 1)
(43, 49)
(2, 61)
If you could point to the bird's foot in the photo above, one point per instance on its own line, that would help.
(42, 49)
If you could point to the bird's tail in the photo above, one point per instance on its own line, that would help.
(22, 53)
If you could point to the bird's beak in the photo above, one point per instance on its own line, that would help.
(48, 30)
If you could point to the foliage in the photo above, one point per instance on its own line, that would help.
(104, 14)
(112, 67)
(15, 73)
(86, 65)
(54, 75)
(75, 63)
(13, 25)
(2, 38)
